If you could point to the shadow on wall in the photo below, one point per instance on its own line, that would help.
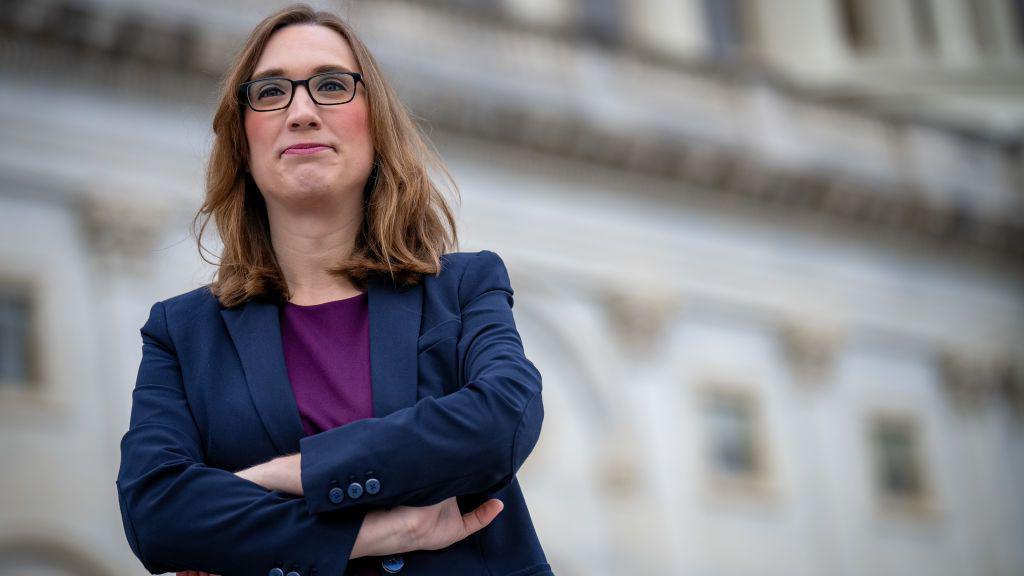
(32, 556)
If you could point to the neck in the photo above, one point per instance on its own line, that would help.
(307, 244)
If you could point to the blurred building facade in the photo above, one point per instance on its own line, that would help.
(767, 255)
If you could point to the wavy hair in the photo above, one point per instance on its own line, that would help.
(407, 222)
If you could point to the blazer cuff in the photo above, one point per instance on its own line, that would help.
(324, 487)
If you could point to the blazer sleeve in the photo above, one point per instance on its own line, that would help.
(470, 441)
(180, 514)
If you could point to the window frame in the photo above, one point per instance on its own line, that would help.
(32, 384)
(756, 485)
(923, 503)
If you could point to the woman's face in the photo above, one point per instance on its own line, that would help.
(329, 175)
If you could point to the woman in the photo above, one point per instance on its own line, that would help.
(344, 397)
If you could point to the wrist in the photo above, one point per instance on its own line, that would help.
(379, 535)
(284, 474)
(367, 536)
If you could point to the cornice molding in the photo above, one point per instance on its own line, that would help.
(734, 176)
(123, 47)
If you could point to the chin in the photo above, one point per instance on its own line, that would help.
(309, 180)
(310, 196)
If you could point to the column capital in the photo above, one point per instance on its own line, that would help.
(123, 232)
(641, 320)
(972, 378)
(811, 346)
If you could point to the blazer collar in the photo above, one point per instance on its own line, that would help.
(394, 327)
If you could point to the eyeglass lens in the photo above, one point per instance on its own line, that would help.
(327, 88)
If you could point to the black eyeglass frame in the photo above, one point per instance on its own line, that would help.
(243, 89)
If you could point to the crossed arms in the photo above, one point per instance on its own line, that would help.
(180, 514)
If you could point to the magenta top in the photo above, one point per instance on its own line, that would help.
(327, 353)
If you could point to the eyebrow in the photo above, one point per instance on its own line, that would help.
(273, 72)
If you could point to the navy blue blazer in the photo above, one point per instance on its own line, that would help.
(457, 409)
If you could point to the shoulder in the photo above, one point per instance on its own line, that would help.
(456, 263)
(195, 306)
(166, 317)
(192, 300)
(471, 273)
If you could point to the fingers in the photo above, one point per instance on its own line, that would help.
(482, 515)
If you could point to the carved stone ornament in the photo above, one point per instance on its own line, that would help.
(811, 349)
(122, 233)
(972, 379)
(641, 321)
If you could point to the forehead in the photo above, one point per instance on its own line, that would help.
(300, 48)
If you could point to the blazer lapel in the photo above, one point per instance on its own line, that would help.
(394, 329)
(256, 331)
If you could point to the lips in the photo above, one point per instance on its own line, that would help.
(306, 148)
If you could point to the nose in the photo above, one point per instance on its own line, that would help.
(303, 112)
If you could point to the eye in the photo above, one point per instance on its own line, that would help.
(270, 89)
(270, 92)
(333, 86)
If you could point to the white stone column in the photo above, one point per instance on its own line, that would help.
(804, 36)
(1007, 31)
(122, 232)
(676, 27)
(894, 28)
(811, 347)
(955, 28)
(646, 513)
(543, 12)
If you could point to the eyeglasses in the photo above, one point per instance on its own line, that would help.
(327, 89)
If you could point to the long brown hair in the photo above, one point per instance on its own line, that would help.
(407, 222)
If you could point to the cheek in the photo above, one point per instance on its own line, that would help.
(354, 126)
(257, 134)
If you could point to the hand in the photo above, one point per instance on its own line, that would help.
(283, 474)
(407, 528)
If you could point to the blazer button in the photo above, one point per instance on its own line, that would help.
(372, 486)
(393, 565)
(276, 572)
(337, 495)
(293, 574)
(355, 490)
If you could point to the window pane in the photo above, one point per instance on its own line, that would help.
(602, 20)
(725, 26)
(14, 338)
(896, 452)
(731, 431)
(924, 23)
